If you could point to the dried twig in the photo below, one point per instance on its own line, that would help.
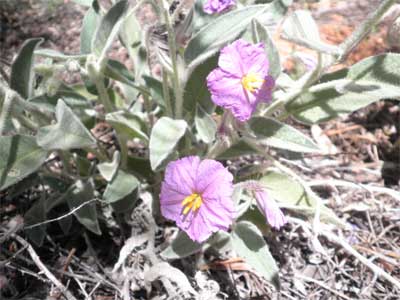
(349, 249)
(63, 216)
(43, 268)
(323, 285)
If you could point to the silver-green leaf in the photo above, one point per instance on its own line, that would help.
(219, 32)
(90, 22)
(372, 79)
(123, 184)
(67, 133)
(21, 79)
(276, 134)
(109, 169)
(108, 28)
(127, 124)
(249, 244)
(78, 194)
(182, 246)
(205, 125)
(164, 137)
(20, 156)
(291, 194)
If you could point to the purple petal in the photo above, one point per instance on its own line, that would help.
(210, 180)
(227, 91)
(196, 225)
(217, 6)
(213, 180)
(241, 61)
(270, 209)
(265, 92)
(179, 182)
(241, 58)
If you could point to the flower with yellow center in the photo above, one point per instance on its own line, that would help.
(241, 81)
(192, 202)
(197, 195)
(252, 82)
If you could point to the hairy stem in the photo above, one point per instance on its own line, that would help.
(173, 54)
(94, 71)
(364, 28)
(166, 95)
(6, 111)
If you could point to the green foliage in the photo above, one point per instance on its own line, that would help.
(293, 195)
(67, 133)
(164, 137)
(154, 118)
(127, 125)
(261, 34)
(249, 243)
(182, 246)
(196, 91)
(276, 134)
(20, 156)
(108, 28)
(368, 81)
(120, 187)
(205, 125)
(89, 24)
(219, 32)
(77, 195)
(21, 79)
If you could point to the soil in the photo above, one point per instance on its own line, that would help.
(362, 149)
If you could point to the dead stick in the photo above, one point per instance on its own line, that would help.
(43, 268)
(349, 249)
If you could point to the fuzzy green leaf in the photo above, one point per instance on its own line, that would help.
(276, 134)
(67, 133)
(205, 125)
(182, 246)
(260, 34)
(127, 124)
(372, 79)
(109, 169)
(164, 137)
(79, 193)
(21, 79)
(20, 156)
(122, 192)
(249, 244)
(108, 28)
(291, 194)
(219, 32)
(196, 91)
(90, 22)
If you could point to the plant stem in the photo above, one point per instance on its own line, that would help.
(28, 123)
(346, 47)
(65, 158)
(166, 95)
(5, 111)
(173, 54)
(150, 115)
(26, 105)
(372, 19)
(94, 72)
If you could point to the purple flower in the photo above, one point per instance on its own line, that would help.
(197, 196)
(268, 207)
(241, 80)
(217, 6)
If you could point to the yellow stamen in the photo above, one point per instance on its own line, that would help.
(192, 202)
(251, 82)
